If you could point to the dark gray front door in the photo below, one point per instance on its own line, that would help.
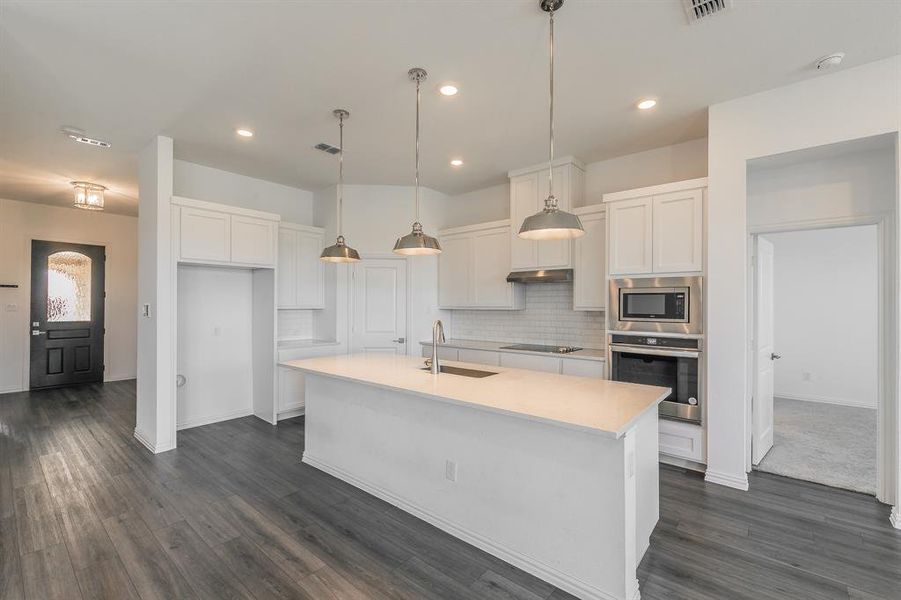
(67, 296)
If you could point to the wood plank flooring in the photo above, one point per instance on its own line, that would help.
(86, 512)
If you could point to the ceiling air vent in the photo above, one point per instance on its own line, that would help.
(327, 148)
(698, 10)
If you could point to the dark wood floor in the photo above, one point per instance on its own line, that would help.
(86, 512)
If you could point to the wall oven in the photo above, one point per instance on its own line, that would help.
(656, 305)
(665, 361)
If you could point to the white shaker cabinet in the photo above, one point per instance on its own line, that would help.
(300, 272)
(205, 235)
(252, 240)
(528, 190)
(589, 260)
(473, 268)
(533, 362)
(656, 230)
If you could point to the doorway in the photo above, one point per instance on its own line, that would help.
(379, 306)
(67, 312)
(817, 355)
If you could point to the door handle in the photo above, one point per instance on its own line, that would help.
(37, 332)
(775, 356)
(400, 340)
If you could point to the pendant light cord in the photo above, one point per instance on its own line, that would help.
(551, 201)
(340, 170)
(418, 79)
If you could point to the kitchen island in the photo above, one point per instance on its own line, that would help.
(552, 473)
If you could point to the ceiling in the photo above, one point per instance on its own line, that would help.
(196, 71)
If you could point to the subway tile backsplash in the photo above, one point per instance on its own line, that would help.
(295, 324)
(548, 318)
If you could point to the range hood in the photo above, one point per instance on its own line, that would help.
(541, 276)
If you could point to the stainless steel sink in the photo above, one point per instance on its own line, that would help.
(463, 371)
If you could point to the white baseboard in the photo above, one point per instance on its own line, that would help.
(545, 572)
(825, 400)
(895, 517)
(119, 377)
(684, 463)
(290, 413)
(727, 479)
(206, 420)
(154, 448)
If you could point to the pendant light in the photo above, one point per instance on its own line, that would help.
(551, 223)
(417, 243)
(340, 252)
(88, 196)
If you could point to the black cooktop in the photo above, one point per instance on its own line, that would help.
(542, 348)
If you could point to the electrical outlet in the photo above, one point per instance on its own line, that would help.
(450, 470)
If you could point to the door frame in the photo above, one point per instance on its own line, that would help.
(408, 295)
(26, 289)
(887, 459)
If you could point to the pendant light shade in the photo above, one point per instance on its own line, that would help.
(551, 223)
(417, 243)
(340, 252)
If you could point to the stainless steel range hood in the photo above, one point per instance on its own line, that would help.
(542, 276)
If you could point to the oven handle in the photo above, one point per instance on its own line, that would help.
(655, 351)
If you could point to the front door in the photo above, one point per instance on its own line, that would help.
(762, 406)
(67, 297)
(379, 306)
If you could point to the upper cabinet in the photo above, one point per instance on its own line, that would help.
(473, 267)
(589, 260)
(300, 273)
(210, 233)
(528, 190)
(656, 230)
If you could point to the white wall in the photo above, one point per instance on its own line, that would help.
(213, 185)
(844, 105)
(215, 344)
(826, 302)
(678, 162)
(20, 222)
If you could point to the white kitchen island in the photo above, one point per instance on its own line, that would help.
(552, 473)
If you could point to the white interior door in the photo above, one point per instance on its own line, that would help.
(763, 389)
(379, 306)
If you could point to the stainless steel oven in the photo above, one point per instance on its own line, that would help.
(656, 305)
(665, 361)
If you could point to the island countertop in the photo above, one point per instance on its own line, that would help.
(608, 408)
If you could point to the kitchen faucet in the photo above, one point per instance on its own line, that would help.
(437, 338)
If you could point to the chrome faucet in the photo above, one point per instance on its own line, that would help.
(437, 338)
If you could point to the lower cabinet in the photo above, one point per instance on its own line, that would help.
(682, 440)
(533, 362)
(444, 353)
(290, 393)
(584, 368)
(479, 357)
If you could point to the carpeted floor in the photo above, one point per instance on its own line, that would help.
(824, 443)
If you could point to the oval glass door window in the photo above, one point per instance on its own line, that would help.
(68, 287)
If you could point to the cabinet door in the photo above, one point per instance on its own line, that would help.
(479, 357)
(678, 232)
(683, 440)
(555, 254)
(584, 368)
(454, 273)
(490, 266)
(590, 264)
(533, 362)
(630, 230)
(286, 271)
(523, 203)
(253, 241)
(290, 389)
(205, 235)
(310, 284)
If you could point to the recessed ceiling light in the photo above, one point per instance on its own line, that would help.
(457, 162)
(448, 90)
(78, 135)
(646, 104)
(244, 133)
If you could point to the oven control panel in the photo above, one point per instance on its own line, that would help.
(656, 342)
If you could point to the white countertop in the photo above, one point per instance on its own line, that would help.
(599, 406)
(583, 354)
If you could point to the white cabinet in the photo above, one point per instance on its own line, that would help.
(590, 261)
(656, 230)
(210, 233)
(479, 357)
(473, 268)
(252, 240)
(205, 235)
(533, 362)
(300, 272)
(682, 440)
(678, 232)
(444, 352)
(584, 368)
(290, 392)
(528, 190)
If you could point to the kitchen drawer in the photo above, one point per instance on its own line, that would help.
(584, 368)
(549, 364)
(481, 357)
(683, 440)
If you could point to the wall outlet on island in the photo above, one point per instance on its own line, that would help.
(450, 470)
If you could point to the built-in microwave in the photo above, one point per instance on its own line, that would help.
(656, 305)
